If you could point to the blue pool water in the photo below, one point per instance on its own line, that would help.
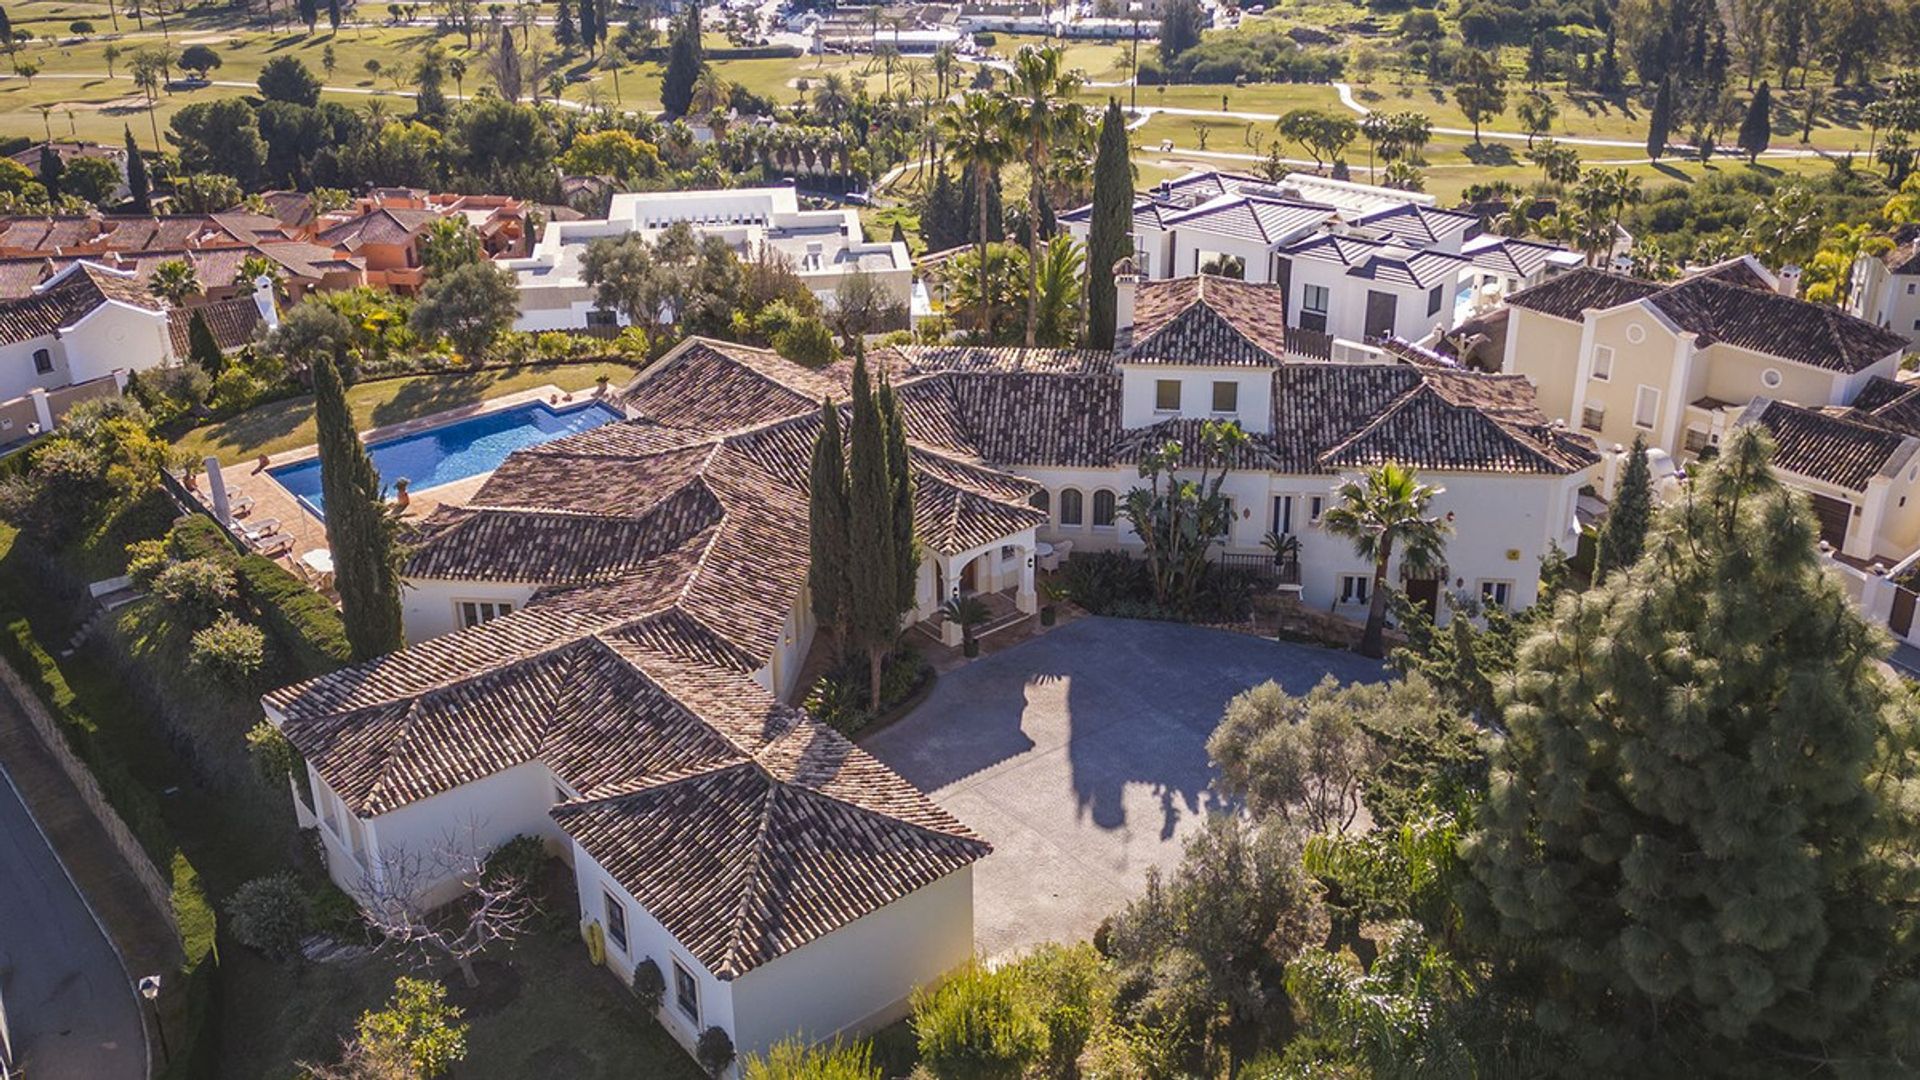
(454, 451)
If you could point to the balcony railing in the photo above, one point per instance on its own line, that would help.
(1266, 568)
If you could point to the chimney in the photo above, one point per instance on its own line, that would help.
(1126, 285)
(1788, 281)
(263, 299)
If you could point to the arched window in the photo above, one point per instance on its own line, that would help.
(1103, 509)
(1070, 508)
(1042, 500)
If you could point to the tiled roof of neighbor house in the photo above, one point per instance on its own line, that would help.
(1740, 270)
(1506, 255)
(381, 226)
(1892, 401)
(59, 303)
(234, 323)
(1207, 320)
(1833, 448)
(1724, 304)
(1412, 223)
(1248, 217)
(1581, 289)
(1903, 258)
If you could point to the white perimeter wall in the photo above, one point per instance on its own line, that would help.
(858, 977)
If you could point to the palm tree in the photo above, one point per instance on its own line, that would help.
(975, 132)
(710, 91)
(457, 68)
(944, 64)
(1062, 269)
(1386, 509)
(174, 281)
(1044, 90)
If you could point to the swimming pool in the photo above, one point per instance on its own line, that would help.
(454, 451)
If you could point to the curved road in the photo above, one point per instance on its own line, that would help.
(70, 1005)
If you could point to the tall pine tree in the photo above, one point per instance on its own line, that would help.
(1698, 842)
(873, 607)
(1109, 234)
(1756, 131)
(1624, 535)
(683, 64)
(137, 182)
(359, 529)
(827, 528)
(900, 477)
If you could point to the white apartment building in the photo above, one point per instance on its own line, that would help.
(822, 246)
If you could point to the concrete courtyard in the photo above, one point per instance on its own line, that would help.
(1082, 756)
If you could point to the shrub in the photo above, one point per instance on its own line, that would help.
(807, 342)
(978, 1025)
(1073, 993)
(417, 1027)
(269, 914)
(714, 1050)
(272, 754)
(649, 986)
(520, 859)
(230, 650)
(331, 911)
(301, 620)
(839, 699)
(145, 560)
(236, 390)
(791, 1059)
(196, 590)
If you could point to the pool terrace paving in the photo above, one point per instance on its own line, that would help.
(306, 529)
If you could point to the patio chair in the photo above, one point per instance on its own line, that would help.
(1062, 549)
(253, 532)
(1050, 562)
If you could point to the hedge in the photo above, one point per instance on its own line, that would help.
(300, 619)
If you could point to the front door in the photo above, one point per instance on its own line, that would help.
(1381, 309)
(1834, 516)
(1426, 593)
(1901, 620)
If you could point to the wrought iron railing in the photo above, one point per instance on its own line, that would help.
(1268, 568)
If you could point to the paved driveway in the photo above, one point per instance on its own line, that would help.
(1082, 755)
(70, 1005)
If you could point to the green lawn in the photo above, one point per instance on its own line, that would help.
(287, 425)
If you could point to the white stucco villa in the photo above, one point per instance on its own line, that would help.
(605, 637)
(822, 246)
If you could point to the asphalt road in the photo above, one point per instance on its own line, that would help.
(70, 1005)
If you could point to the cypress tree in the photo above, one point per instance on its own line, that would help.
(137, 181)
(1697, 837)
(1756, 131)
(873, 580)
(310, 13)
(202, 349)
(1108, 235)
(564, 33)
(900, 477)
(359, 528)
(683, 65)
(589, 24)
(333, 15)
(1660, 122)
(1624, 536)
(52, 170)
(941, 221)
(827, 525)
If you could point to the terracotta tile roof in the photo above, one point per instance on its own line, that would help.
(1723, 305)
(380, 226)
(1834, 448)
(1740, 270)
(1578, 290)
(1207, 320)
(234, 323)
(60, 303)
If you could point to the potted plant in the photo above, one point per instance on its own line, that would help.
(603, 382)
(969, 612)
(1055, 592)
(1286, 551)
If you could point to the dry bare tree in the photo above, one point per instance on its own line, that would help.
(494, 907)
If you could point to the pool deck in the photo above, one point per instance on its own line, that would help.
(308, 531)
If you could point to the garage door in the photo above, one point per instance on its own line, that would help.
(1833, 514)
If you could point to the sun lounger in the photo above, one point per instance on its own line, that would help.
(255, 531)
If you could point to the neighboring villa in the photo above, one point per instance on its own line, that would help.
(1885, 288)
(1616, 357)
(90, 325)
(822, 246)
(604, 635)
(1354, 261)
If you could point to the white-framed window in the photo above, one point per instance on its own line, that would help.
(1770, 378)
(1166, 395)
(1314, 298)
(1603, 362)
(1103, 509)
(1316, 505)
(616, 910)
(475, 612)
(1354, 588)
(1646, 406)
(686, 992)
(1593, 415)
(42, 361)
(1142, 258)
(1283, 514)
(1226, 396)
(1072, 508)
(1497, 594)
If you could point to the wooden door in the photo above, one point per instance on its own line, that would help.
(1901, 620)
(1834, 516)
(1426, 593)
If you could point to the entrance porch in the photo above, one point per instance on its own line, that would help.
(999, 574)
